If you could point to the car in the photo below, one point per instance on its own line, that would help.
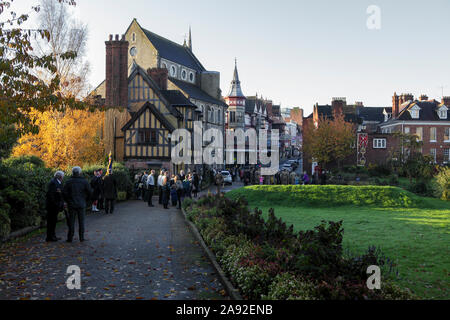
(227, 179)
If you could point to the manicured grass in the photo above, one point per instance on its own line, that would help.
(416, 238)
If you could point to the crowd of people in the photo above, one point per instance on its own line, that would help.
(73, 198)
(171, 188)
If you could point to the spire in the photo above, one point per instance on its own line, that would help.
(235, 90)
(190, 39)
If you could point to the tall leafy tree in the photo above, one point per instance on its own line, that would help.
(21, 90)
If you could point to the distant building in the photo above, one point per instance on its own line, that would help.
(428, 119)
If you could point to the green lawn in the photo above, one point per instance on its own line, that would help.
(417, 239)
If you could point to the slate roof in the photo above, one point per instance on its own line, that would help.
(371, 113)
(173, 51)
(196, 93)
(428, 111)
(326, 111)
(176, 98)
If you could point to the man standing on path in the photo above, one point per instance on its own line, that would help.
(76, 193)
(55, 204)
(110, 189)
(151, 187)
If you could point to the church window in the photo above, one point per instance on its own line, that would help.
(184, 74)
(133, 37)
(133, 51)
(191, 76)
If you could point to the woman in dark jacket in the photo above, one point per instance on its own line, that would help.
(165, 191)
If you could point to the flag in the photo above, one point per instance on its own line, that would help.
(110, 163)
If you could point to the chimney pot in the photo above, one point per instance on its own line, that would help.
(110, 37)
(117, 37)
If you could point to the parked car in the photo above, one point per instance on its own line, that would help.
(227, 179)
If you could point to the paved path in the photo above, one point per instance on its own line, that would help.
(136, 253)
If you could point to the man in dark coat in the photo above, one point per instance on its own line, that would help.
(54, 204)
(110, 191)
(76, 192)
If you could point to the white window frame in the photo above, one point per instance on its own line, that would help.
(446, 155)
(433, 130)
(419, 137)
(447, 134)
(379, 143)
(433, 154)
(442, 112)
(414, 111)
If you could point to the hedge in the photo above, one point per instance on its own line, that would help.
(330, 195)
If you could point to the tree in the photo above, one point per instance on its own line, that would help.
(66, 34)
(21, 91)
(406, 156)
(72, 138)
(330, 140)
(65, 137)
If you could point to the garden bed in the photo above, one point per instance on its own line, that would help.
(265, 259)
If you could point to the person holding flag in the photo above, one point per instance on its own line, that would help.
(109, 188)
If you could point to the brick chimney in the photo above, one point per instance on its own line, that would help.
(395, 105)
(116, 72)
(160, 76)
(423, 97)
(337, 105)
(446, 101)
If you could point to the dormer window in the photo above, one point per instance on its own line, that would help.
(442, 112)
(414, 111)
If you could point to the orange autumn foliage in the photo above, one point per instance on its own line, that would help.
(65, 139)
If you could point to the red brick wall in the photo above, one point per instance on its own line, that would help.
(116, 72)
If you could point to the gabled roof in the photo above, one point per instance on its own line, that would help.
(173, 51)
(136, 69)
(177, 99)
(428, 111)
(147, 105)
(196, 93)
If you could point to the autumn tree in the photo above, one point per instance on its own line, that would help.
(74, 139)
(66, 137)
(21, 91)
(330, 140)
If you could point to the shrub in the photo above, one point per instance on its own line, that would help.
(268, 260)
(379, 170)
(5, 221)
(23, 185)
(121, 196)
(443, 183)
(287, 286)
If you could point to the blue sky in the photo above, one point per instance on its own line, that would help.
(296, 52)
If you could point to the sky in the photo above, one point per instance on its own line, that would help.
(294, 52)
